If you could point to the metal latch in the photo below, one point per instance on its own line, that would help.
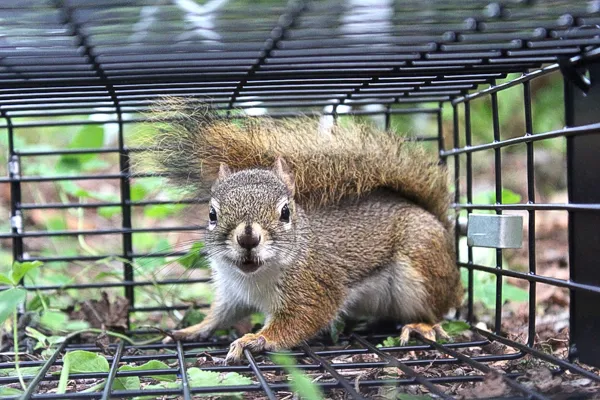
(14, 167)
(496, 231)
(16, 222)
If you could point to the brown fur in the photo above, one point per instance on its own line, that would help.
(367, 235)
(352, 160)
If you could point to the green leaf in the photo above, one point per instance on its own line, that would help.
(455, 328)
(19, 270)
(235, 379)
(159, 211)
(81, 361)
(300, 383)
(126, 382)
(54, 320)
(109, 212)
(137, 191)
(194, 258)
(133, 382)
(162, 385)
(9, 299)
(198, 377)
(95, 164)
(25, 371)
(144, 186)
(406, 396)
(192, 317)
(152, 365)
(257, 318)
(73, 189)
(37, 335)
(198, 291)
(391, 341)
(56, 224)
(489, 197)
(58, 278)
(510, 197)
(484, 289)
(8, 391)
(144, 240)
(36, 303)
(513, 293)
(58, 321)
(5, 280)
(107, 274)
(201, 378)
(88, 137)
(76, 325)
(52, 340)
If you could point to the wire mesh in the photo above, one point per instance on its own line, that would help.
(62, 61)
(354, 366)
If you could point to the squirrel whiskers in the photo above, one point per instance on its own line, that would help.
(192, 140)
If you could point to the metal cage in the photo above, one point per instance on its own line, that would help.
(62, 61)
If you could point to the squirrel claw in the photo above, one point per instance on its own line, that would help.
(253, 342)
(428, 331)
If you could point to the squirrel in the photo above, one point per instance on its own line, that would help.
(308, 226)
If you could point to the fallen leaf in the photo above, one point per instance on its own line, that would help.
(104, 314)
(492, 386)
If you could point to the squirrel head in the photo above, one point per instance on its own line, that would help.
(252, 218)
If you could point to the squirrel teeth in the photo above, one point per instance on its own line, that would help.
(248, 265)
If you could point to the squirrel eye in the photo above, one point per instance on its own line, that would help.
(285, 213)
(212, 216)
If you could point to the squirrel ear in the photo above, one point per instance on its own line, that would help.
(224, 171)
(284, 173)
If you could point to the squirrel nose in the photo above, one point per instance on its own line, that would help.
(248, 240)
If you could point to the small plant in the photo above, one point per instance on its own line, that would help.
(15, 295)
(301, 384)
(80, 361)
(11, 298)
(42, 316)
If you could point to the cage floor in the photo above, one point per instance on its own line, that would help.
(480, 364)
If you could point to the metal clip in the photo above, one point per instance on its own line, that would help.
(14, 167)
(495, 231)
(16, 222)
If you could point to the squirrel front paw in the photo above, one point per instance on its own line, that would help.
(253, 342)
(186, 335)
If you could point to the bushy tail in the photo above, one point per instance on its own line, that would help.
(351, 160)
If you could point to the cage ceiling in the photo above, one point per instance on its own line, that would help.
(71, 57)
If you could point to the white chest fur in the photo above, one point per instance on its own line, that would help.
(395, 292)
(257, 291)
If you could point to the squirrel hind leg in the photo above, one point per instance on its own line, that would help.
(431, 332)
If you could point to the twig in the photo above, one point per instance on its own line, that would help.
(115, 334)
